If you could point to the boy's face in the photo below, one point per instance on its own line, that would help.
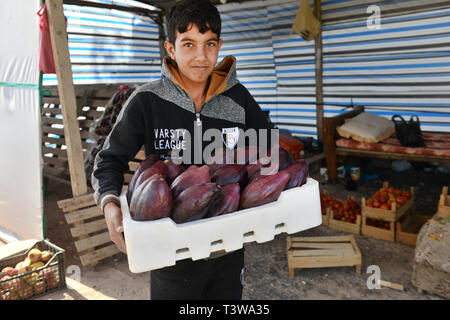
(195, 53)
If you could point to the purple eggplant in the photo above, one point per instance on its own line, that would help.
(228, 202)
(147, 163)
(299, 173)
(194, 202)
(264, 190)
(155, 201)
(190, 177)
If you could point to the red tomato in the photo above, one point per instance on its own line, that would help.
(406, 194)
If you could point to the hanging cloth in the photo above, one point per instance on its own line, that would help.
(46, 61)
(305, 23)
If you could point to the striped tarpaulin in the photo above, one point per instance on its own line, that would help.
(246, 34)
(264, 28)
(295, 68)
(400, 66)
(110, 46)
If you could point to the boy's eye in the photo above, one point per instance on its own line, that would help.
(187, 44)
(211, 44)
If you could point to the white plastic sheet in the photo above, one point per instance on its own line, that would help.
(21, 200)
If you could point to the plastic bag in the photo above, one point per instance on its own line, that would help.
(408, 133)
(46, 61)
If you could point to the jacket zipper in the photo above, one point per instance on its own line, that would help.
(198, 139)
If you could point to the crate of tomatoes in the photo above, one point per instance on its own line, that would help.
(342, 215)
(381, 212)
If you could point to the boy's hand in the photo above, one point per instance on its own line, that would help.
(113, 217)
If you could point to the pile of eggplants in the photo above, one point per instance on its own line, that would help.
(161, 189)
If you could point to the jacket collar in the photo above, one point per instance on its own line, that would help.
(222, 78)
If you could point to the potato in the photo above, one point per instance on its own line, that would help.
(37, 265)
(4, 285)
(46, 256)
(39, 287)
(10, 271)
(34, 255)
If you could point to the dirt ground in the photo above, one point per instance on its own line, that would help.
(266, 269)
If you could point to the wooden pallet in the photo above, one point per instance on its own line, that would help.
(354, 228)
(444, 204)
(88, 225)
(322, 252)
(90, 103)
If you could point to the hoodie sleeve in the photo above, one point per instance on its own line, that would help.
(121, 146)
(255, 118)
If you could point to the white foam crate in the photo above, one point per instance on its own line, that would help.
(160, 243)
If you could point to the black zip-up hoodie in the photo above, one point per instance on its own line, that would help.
(158, 111)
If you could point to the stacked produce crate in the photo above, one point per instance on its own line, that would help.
(381, 212)
(408, 227)
(342, 215)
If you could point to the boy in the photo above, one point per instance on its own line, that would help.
(194, 95)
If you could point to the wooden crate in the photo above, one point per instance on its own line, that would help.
(407, 230)
(378, 233)
(444, 204)
(88, 225)
(322, 252)
(339, 225)
(326, 217)
(388, 215)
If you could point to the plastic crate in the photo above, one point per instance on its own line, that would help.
(160, 243)
(48, 278)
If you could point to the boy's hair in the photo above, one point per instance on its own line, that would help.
(202, 13)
